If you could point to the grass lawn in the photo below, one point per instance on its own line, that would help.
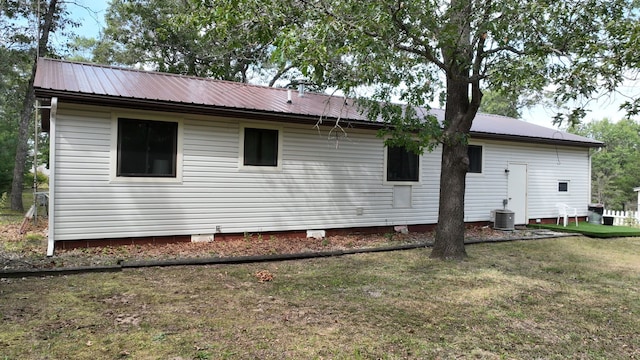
(588, 229)
(8, 216)
(572, 297)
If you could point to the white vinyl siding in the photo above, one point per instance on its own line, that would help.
(545, 165)
(319, 186)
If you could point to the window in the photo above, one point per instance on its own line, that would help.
(475, 158)
(260, 147)
(147, 148)
(563, 186)
(402, 164)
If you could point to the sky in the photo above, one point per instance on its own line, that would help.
(606, 107)
(90, 13)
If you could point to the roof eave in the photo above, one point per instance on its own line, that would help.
(254, 114)
(536, 140)
(161, 105)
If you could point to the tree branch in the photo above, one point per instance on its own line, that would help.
(279, 74)
(503, 48)
(404, 28)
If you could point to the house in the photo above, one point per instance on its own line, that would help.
(146, 156)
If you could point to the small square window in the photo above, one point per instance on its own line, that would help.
(146, 148)
(563, 186)
(402, 164)
(260, 147)
(475, 158)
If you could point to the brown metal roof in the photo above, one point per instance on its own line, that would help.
(114, 86)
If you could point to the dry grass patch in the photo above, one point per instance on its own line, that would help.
(551, 299)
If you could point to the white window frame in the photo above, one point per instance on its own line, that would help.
(114, 178)
(483, 162)
(256, 125)
(384, 170)
(568, 182)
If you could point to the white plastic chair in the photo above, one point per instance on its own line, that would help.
(564, 212)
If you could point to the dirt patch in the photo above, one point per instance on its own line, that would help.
(27, 251)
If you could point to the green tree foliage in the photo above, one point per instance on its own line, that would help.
(25, 29)
(500, 104)
(615, 169)
(40, 179)
(192, 37)
(14, 64)
(12, 68)
(419, 51)
(83, 49)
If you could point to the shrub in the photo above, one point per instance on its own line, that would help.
(40, 177)
(4, 200)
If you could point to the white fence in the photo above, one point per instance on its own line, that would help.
(627, 218)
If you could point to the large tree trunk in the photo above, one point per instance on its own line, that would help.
(459, 114)
(21, 148)
(463, 101)
(27, 112)
(449, 241)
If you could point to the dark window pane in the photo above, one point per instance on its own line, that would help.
(563, 186)
(147, 148)
(402, 165)
(475, 158)
(260, 147)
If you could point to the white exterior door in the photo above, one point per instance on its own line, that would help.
(517, 192)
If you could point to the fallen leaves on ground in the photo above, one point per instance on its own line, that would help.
(264, 275)
(28, 251)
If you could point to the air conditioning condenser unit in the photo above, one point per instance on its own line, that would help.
(504, 219)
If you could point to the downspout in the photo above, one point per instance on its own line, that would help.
(52, 176)
(589, 182)
(638, 208)
(36, 137)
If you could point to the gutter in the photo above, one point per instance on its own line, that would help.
(192, 108)
(211, 110)
(52, 179)
(536, 140)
